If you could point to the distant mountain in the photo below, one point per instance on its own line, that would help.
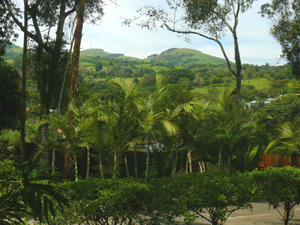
(175, 56)
(104, 54)
(184, 56)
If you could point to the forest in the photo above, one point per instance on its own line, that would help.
(92, 137)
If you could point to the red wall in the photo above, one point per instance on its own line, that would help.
(278, 161)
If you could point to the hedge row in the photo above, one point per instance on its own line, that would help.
(212, 196)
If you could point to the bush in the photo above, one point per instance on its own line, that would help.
(111, 201)
(280, 187)
(160, 201)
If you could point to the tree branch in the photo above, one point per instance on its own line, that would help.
(20, 25)
(209, 38)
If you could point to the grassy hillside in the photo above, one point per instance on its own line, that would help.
(184, 56)
(94, 53)
(12, 51)
(104, 54)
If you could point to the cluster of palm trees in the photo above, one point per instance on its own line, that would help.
(215, 131)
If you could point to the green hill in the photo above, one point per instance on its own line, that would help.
(94, 53)
(184, 56)
(104, 54)
(12, 51)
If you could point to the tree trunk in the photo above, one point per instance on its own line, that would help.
(76, 168)
(135, 161)
(87, 161)
(43, 134)
(76, 52)
(75, 63)
(23, 98)
(147, 162)
(229, 163)
(220, 159)
(116, 163)
(67, 169)
(190, 158)
(126, 166)
(176, 162)
(187, 163)
(173, 163)
(100, 165)
(60, 101)
(287, 211)
(238, 65)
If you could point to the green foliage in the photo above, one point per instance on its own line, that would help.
(280, 187)
(285, 28)
(173, 76)
(220, 194)
(283, 109)
(158, 201)
(9, 141)
(10, 97)
(98, 66)
(106, 201)
(25, 190)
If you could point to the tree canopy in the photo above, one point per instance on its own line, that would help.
(285, 17)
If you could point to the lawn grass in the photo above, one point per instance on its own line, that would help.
(86, 64)
(260, 83)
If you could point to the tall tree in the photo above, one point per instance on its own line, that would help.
(50, 14)
(285, 28)
(205, 18)
(23, 98)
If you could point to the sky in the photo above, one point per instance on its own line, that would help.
(257, 46)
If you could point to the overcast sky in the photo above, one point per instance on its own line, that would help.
(257, 46)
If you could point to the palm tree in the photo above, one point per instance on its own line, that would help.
(187, 121)
(235, 130)
(157, 118)
(74, 135)
(122, 117)
(288, 142)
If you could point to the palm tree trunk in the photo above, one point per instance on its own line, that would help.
(187, 163)
(135, 161)
(76, 171)
(190, 162)
(67, 168)
(147, 162)
(173, 163)
(87, 161)
(126, 165)
(76, 168)
(229, 163)
(116, 163)
(101, 165)
(220, 159)
(176, 162)
(190, 157)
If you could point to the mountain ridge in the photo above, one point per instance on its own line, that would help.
(175, 56)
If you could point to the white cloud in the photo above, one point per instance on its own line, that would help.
(256, 44)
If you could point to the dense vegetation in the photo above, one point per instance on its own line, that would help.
(134, 141)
